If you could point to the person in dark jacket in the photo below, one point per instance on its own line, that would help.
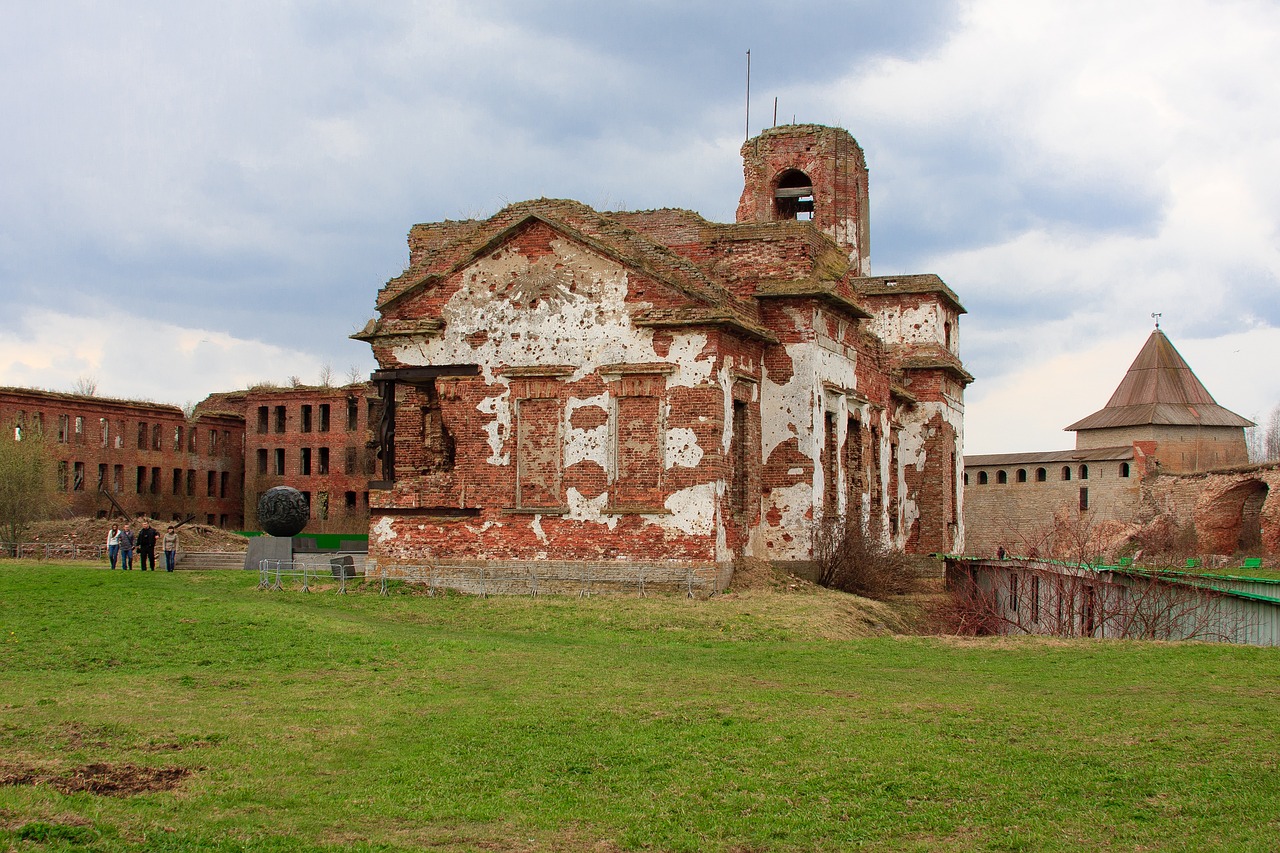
(147, 546)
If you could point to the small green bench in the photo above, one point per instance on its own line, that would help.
(1252, 563)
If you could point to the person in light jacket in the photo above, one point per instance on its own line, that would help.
(113, 544)
(170, 543)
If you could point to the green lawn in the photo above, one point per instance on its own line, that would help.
(320, 721)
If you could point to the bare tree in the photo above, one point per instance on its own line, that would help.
(326, 375)
(1032, 597)
(295, 382)
(86, 386)
(1271, 438)
(354, 376)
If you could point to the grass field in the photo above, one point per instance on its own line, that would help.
(193, 712)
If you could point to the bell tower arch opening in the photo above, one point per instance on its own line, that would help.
(793, 198)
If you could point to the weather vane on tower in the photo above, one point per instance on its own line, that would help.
(1156, 316)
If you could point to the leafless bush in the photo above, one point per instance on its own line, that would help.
(851, 560)
(1029, 597)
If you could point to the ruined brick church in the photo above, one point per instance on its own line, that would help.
(637, 388)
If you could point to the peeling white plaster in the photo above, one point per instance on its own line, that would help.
(498, 428)
(792, 504)
(587, 445)
(914, 325)
(692, 511)
(692, 369)
(383, 531)
(535, 524)
(582, 508)
(682, 448)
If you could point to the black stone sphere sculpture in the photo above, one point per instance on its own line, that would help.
(283, 511)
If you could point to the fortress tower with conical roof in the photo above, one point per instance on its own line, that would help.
(1161, 408)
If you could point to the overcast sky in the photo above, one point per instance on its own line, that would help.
(197, 197)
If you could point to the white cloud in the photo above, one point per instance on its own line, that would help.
(1095, 105)
(140, 358)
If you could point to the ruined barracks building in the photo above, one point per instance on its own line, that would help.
(130, 457)
(650, 387)
(142, 457)
(1161, 449)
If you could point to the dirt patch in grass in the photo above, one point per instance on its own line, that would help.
(111, 780)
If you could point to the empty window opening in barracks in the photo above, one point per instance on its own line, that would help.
(279, 470)
(793, 198)
(1002, 477)
(1041, 475)
(304, 461)
(155, 437)
(324, 417)
(1021, 475)
(1084, 472)
(1066, 472)
(264, 419)
(306, 418)
(280, 419)
(353, 414)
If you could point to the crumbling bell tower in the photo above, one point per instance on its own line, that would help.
(812, 173)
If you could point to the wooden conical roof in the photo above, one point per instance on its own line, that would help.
(1160, 389)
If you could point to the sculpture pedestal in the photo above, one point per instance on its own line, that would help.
(268, 548)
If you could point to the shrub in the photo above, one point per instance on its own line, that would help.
(852, 560)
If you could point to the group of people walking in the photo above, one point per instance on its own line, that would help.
(121, 544)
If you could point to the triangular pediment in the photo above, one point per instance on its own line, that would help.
(684, 290)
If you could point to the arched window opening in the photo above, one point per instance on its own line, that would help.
(1066, 472)
(1002, 477)
(966, 478)
(1021, 476)
(982, 478)
(1041, 475)
(793, 199)
(1084, 472)
(1124, 469)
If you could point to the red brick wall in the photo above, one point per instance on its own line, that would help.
(159, 440)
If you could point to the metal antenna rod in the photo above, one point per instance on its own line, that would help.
(748, 136)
